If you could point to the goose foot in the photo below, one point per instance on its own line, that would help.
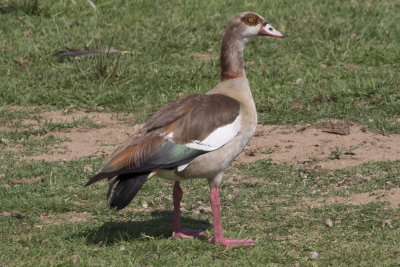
(179, 232)
(218, 238)
(188, 233)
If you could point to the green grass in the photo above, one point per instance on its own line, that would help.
(347, 49)
(340, 60)
(269, 202)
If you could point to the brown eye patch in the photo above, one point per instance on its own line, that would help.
(251, 19)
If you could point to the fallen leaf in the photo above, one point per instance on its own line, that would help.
(17, 214)
(76, 53)
(352, 67)
(14, 213)
(251, 152)
(9, 48)
(298, 103)
(337, 128)
(321, 98)
(349, 152)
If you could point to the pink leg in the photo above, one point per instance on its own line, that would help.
(218, 237)
(179, 232)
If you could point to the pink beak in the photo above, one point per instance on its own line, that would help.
(268, 30)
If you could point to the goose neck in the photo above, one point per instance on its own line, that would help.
(232, 61)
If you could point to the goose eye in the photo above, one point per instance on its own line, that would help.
(250, 20)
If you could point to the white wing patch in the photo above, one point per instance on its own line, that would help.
(218, 137)
(182, 167)
(213, 141)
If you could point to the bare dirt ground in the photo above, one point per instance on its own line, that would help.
(334, 145)
(392, 197)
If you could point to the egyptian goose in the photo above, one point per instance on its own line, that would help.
(195, 136)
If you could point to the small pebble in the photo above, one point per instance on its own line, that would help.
(359, 175)
(145, 205)
(313, 255)
(153, 256)
(302, 174)
(203, 209)
(75, 258)
(387, 223)
(88, 168)
(5, 262)
(122, 248)
(4, 140)
(329, 223)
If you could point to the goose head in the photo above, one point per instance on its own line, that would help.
(248, 25)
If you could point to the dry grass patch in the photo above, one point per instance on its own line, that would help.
(67, 217)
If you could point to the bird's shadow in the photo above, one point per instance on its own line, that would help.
(160, 226)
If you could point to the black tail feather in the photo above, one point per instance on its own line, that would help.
(126, 189)
(98, 177)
